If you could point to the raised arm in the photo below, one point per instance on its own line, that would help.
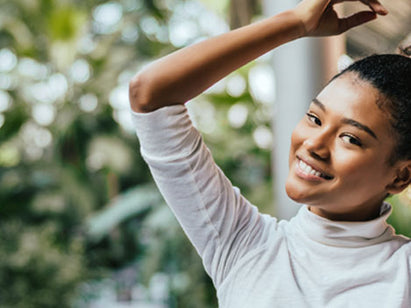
(184, 74)
(220, 222)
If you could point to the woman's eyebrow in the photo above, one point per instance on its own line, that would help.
(319, 104)
(347, 120)
(360, 126)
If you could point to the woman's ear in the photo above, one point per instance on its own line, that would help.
(402, 178)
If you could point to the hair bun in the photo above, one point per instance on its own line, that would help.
(404, 48)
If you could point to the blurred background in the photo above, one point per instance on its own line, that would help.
(81, 222)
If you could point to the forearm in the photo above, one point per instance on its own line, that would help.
(184, 74)
(220, 223)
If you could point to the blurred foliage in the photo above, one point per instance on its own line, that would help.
(401, 214)
(81, 222)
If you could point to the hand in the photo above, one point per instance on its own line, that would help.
(320, 19)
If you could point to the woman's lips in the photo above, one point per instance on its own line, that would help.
(309, 172)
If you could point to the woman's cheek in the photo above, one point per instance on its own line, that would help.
(350, 164)
(299, 134)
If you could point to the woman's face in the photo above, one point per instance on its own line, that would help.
(339, 152)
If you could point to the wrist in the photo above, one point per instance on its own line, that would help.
(294, 22)
(299, 22)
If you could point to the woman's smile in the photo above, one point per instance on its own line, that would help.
(309, 172)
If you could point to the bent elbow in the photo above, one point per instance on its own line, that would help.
(139, 94)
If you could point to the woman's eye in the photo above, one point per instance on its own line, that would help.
(352, 140)
(313, 119)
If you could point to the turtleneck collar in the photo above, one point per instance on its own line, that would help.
(344, 233)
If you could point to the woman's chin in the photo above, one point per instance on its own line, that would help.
(295, 191)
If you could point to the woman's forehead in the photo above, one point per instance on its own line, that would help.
(350, 97)
(349, 92)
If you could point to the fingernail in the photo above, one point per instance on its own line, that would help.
(384, 10)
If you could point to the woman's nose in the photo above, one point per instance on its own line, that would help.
(318, 146)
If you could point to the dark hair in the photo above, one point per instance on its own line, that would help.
(390, 74)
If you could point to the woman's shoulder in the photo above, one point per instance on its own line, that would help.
(402, 244)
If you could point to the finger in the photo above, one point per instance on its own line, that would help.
(356, 20)
(374, 5)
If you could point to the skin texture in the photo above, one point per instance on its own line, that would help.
(324, 139)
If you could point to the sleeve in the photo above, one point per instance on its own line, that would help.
(221, 224)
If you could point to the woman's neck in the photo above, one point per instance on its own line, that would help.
(360, 214)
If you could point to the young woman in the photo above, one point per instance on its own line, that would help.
(347, 154)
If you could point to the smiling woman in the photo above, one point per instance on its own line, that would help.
(347, 154)
(349, 135)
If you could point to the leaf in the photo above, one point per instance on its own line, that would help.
(66, 23)
(131, 203)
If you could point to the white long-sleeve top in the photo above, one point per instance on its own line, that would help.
(256, 261)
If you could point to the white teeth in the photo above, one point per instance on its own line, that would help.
(308, 169)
